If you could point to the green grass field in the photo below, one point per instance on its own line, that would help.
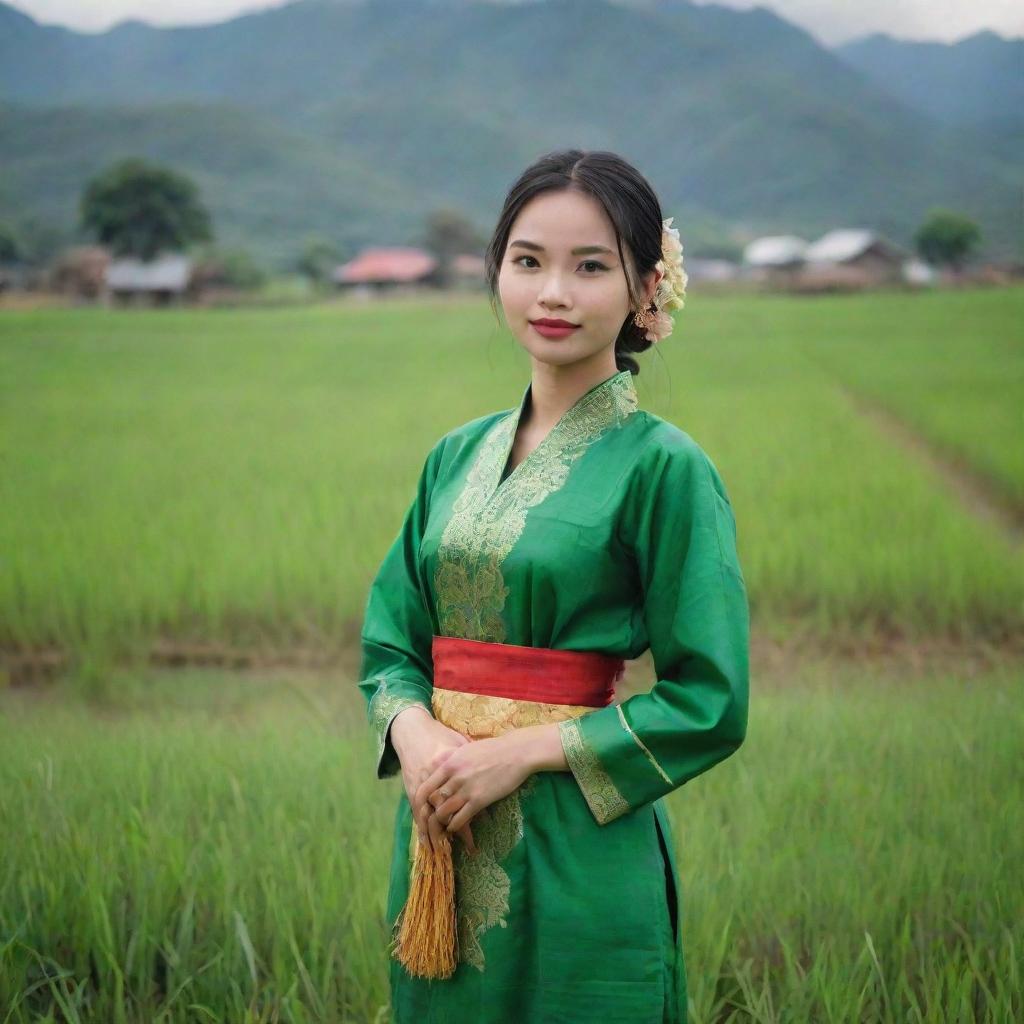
(954, 371)
(216, 849)
(235, 477)
(203, 846)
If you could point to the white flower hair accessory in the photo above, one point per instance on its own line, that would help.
(671, 292)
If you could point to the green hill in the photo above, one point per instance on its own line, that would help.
(354, 120)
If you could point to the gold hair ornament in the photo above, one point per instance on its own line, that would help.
(671, 291)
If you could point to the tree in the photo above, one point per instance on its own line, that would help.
(11, 249)
(448, 234)
(39, 241)
(947, 238)
(233, 267)
(319, 257)
(138, 209)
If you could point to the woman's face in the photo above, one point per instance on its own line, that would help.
(542, 277)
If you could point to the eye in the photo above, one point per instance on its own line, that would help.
(593, 263)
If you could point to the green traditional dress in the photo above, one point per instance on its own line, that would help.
(614, 535)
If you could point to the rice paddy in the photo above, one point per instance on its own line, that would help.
(198, 844)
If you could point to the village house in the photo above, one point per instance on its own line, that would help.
(851, 258)
(78, 272)
(162, 281)
(711, 271)
(844, 259)
(468, 272)
(775, 260)
(387, 270)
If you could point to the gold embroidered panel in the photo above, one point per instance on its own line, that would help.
(482, 887)
(383, 706)
(487, 519)
(479, 716)
(600, 791)
(489, 515)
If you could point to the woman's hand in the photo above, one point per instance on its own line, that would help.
(471, 776)
(421, 743)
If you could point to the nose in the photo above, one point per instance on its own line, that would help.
(553, 292)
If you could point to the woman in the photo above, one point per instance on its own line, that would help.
(545, 544)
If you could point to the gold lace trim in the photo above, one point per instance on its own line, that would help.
(489, 515)
(382, 709)
(640, 743)
(482, 886)
(487, 519)
(605, 801)
(479, 716)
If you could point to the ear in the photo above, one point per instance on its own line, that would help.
(650, 282)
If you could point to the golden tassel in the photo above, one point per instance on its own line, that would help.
(426, 937)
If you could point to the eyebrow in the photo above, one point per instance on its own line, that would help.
(581, 250)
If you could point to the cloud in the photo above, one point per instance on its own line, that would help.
(835, 21)
(98, 15)
(831, 21)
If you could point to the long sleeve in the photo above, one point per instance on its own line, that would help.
(396, 670)
(682, 531)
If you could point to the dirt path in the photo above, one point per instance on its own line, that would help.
(771, 658)
(972, 491)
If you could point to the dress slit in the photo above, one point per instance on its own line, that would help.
(671, 896)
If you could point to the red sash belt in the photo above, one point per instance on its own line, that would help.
(525, 673)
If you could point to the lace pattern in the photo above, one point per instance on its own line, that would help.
(489, 515)
(601, 793)
(482, 885)
(487, 519)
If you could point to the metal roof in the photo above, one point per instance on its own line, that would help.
(390, 263)
(775, 251)
(168, 272)
(844, 244)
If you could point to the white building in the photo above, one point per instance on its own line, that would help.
(161, 280)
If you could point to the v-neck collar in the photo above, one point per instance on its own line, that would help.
(604, 404)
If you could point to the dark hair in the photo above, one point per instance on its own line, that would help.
(631, 205)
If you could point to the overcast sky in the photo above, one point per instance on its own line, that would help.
(832, 21)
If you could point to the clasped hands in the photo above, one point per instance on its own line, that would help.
(449, 779)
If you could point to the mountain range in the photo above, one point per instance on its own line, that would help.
(354, 119)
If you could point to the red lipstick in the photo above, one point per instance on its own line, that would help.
(550, 328)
